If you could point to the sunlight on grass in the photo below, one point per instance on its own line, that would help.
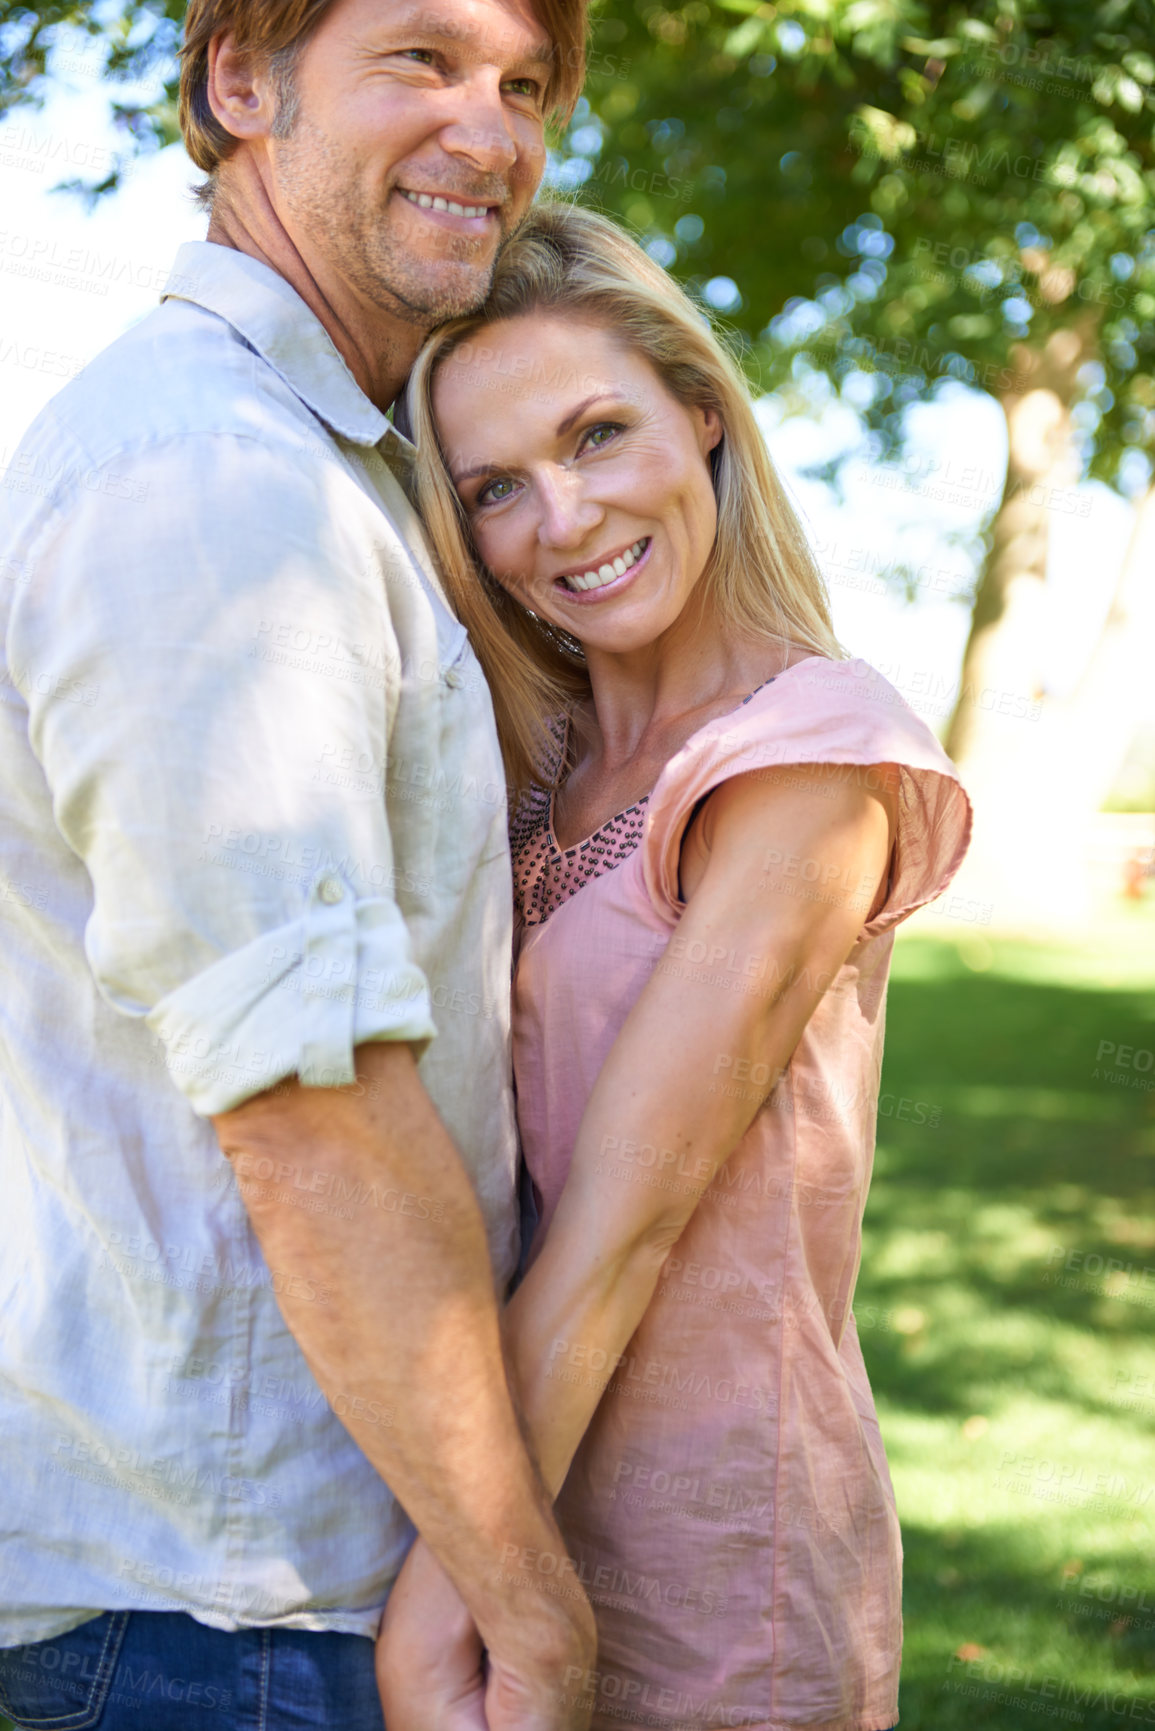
(1007, 1313)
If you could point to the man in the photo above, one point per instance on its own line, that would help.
(256, 1135)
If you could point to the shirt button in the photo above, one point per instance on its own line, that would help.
(452, 678)
(331, 890)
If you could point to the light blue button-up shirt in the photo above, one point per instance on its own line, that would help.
(252, 813)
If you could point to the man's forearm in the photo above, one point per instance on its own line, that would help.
(371, 1228)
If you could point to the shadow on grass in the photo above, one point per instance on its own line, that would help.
(1007, 1310)
(1038, 1174)
(992, 1639)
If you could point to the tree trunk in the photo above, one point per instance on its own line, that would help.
(1004, 736)
(1001, 683)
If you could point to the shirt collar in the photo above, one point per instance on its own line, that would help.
(275, 321)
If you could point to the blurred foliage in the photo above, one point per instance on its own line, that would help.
(894, 193)
(129, 43)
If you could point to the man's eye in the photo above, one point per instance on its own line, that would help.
(424, 55)
(491, 493)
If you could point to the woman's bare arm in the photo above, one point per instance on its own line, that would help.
(779, 884)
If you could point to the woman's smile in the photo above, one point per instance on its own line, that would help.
(607, 576)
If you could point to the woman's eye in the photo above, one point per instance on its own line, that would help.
(524, 87)
(492, 494)
(424, 55)
(602, 434)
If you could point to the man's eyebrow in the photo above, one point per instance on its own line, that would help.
(540, 54)
(432, 27)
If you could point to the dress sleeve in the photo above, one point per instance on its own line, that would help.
(828, 712)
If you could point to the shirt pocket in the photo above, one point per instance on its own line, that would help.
(63, 1682)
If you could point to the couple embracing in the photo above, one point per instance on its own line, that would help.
(412, 492)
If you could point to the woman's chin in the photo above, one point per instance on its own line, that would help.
(615, 636)
(629, 629)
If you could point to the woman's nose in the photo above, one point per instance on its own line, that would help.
(568, 514)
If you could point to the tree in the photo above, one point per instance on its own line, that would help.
(137, 45)
(897, 194)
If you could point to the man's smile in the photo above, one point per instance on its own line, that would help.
(440, 204)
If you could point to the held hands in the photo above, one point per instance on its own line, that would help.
(434, 1674)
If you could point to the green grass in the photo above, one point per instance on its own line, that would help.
(1013, 1368)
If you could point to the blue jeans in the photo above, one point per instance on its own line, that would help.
(163, 1671)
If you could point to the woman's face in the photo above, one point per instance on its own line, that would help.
(587, 485)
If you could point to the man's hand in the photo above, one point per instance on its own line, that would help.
(396, 1315)
(434, 1675)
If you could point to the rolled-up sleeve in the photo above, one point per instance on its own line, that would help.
(211, 674)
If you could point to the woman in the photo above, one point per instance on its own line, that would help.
(722, 821)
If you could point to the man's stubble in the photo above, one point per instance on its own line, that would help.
(319, 186)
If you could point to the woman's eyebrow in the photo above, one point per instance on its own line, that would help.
(597, 397)
(460, 476)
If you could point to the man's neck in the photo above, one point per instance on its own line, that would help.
(378, 349)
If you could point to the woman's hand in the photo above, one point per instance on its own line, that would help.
(434, 1675)
(429, 1654)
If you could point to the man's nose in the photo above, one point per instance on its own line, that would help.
(480, 131)
(568, 513)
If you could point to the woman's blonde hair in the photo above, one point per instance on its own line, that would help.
(761, 575)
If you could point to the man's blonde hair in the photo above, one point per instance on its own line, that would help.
(275, 31)
(761, 575)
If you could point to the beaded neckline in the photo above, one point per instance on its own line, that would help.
(544, 874)
(563, 734)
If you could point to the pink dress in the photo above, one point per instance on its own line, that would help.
(730, 1510)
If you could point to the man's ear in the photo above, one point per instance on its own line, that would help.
(241, 98)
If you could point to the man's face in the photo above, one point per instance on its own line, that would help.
(395, 104)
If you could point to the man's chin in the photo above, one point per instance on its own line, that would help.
(446, 293)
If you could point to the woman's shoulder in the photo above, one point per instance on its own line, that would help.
(821, 711)
(818, 710)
